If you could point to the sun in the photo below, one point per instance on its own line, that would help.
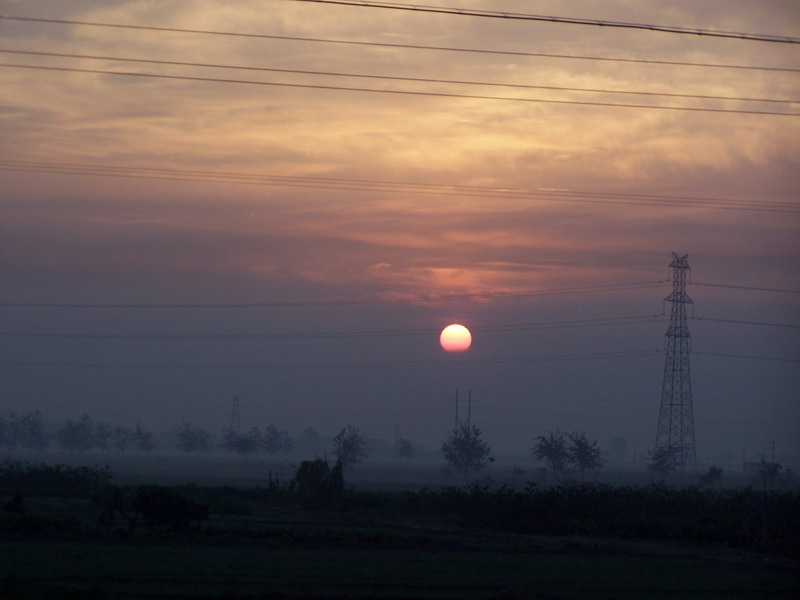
(455, 338)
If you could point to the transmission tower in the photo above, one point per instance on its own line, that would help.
(236, 424)
(675, 437)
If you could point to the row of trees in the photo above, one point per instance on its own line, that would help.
(28, 432)
(465, 451)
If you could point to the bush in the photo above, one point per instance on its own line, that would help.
(53, 480)
(317, 485)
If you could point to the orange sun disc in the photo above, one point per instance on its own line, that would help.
(455, 338)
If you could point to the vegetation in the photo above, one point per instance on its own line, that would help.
(349, 446)
(564, 452)
(22, 477)
(193, 439)
(23, 431)
(464, 450)
(316, 484)
(313, 538)
(662, 461)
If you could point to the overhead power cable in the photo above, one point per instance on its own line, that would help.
(395, 92)
(464, 12)
(402, 46)
(749, 357)
(575, 196)
(509, 327)
(396, 78)
(341, 365)
(745, 287)
(740, 322)
(590, 289)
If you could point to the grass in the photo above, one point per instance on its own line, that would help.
(568, 542)
(45, 569)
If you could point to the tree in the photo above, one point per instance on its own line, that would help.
(31, 433)
(552, 449)
(121, 439)
(143, 439)
(76, 434)
(242, 444)
(349, 446)
(193, 439)
(101, 436)
(403, 446)
(276, 439)
(464, 449)
(663, 460)
(712, 476)
(317, 484)
(582, 454)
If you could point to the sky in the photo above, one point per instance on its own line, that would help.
(232, 226)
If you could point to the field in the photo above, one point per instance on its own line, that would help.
(459, 542)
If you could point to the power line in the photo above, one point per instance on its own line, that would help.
(391, 91)
(402, 46)
(746, 287)
(342, 365)
(510, 327)
(398, 78)
(346, 302)
(758, 37)
(749, 357)
(578, 196)
(739, 322)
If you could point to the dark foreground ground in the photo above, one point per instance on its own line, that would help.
(459, 543)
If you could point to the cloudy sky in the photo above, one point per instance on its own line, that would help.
(291, 214)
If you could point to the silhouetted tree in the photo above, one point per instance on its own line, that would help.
(276, 439)
(552, 448)
(101, 436)
(193, 439)
(76, 434)
(404, 447)
(317, 484)
(242, 444)
(464, 450)
(143, 439)
(349, 446)
(26, 431)
(771, 474)
(121, 438)
(712, 476)
(582, 454)
(6, 439)
(663, 461)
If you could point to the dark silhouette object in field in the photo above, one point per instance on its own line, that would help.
(464, 449)
(349, 446)
(317, 485)
(161, 507)
(15, 505)
(111, 507)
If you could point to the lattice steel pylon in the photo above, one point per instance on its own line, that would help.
(675, 436)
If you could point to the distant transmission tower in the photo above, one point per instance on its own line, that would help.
(236, 423)
(675, 437)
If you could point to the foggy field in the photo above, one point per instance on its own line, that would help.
(465, 541)
(378, 474)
